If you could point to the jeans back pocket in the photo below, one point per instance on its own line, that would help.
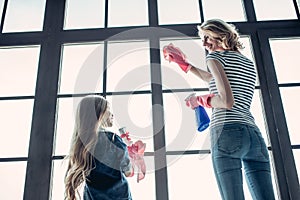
(230, 139)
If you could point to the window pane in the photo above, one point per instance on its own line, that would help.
(145, 189)
(128, 61)
(136, 115)
(180, 124)
(121, 14)
(84, 14)
(286, 62)
(197, 175)
(215, 9)
(82, 68)
(172, 75)
(58, 186)
(65, 124)
(24, 15)
(12, 180)
(18, 70)
(296, 153)
(290, 97)
(15, 118)
(1, 8)
(279, 9)
(178, 12)
(191, 176)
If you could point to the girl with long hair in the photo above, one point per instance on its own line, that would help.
(98, 157)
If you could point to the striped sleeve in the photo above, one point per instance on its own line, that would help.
(216, 56)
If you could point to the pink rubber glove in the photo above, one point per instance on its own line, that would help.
(136, 154)
(174, 54)
(195, 101)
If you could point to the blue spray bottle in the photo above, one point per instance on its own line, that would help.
(202, 119)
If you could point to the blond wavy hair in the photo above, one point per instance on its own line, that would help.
(90, 115)
(226, 34)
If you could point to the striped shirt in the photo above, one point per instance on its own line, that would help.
(241, 74)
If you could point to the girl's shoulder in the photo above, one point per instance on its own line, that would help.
(113, 137)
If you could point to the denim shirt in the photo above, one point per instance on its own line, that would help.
(107, 180)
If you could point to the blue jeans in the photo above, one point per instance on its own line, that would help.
(237, 146)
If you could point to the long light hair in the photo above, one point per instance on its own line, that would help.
(226, 34)
(90, 114)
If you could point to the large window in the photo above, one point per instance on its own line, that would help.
(287, 72)
(17, 79)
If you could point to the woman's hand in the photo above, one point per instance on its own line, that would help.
(174, 54)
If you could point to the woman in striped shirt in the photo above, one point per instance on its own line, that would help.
(236, 140)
